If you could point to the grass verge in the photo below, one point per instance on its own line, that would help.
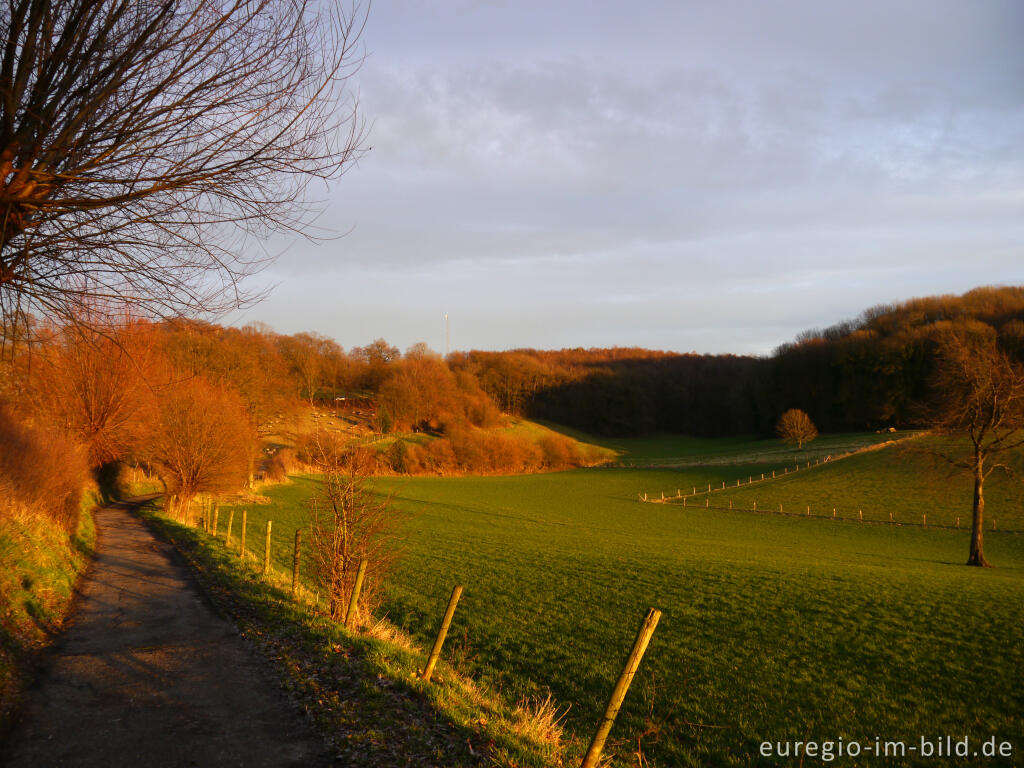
(39, 568)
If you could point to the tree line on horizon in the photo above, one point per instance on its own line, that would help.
(869, 373)
(190, 400)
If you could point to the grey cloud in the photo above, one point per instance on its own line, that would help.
(570, 173)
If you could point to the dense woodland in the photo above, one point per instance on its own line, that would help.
(867, 373)
(191, 400)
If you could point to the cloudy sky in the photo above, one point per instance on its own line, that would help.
(688, 175)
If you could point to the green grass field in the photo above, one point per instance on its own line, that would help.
(774, 628)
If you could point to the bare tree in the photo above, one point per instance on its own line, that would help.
(143, 142)
(201, 441)
(91, 383)
(978, 392)
(795, 426)
(349, 523)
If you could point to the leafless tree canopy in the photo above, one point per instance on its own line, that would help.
(142, 142)
(979, 393)
(349, 524)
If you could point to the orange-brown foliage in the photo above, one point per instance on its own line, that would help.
(201, 441)
(41, 472)
(92, 385)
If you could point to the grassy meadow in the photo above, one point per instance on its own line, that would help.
(774, 628)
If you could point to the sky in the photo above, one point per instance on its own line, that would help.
(706, 176)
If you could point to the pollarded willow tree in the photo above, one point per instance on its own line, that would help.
(144, 142)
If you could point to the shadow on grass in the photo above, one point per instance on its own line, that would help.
(361, 692)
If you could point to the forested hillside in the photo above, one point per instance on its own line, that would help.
(868, 373)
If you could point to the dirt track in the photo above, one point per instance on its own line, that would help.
(149, 675)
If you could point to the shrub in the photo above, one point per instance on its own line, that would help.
(559, 452)
(349, 524)
(202, 442)
(42, 473)
(397, 456)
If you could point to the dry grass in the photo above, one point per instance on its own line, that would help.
(540, 720)
(42, 473)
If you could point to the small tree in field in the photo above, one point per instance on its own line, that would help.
(795, 426)
(349, 523)
(978, 392)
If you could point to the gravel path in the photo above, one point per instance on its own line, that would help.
(149, 675)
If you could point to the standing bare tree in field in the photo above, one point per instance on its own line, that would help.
(795, 426)
(978, 392)
(349, 523)
(143, 141)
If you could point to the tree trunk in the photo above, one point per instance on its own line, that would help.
(977, 555)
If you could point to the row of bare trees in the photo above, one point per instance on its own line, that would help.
(116, 392)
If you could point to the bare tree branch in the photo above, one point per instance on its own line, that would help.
(143, 142)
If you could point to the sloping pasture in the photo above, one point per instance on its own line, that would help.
(774, 628)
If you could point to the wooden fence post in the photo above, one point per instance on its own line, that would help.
(958, 523)
(231, 520)
(350, 614)
(643, 637)
(924, 521)
(245, 522)
(295, 562)
(860, 515)
(266, 549)
(216, 515)
(445, 623)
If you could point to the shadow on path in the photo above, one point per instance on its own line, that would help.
(148, 674)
